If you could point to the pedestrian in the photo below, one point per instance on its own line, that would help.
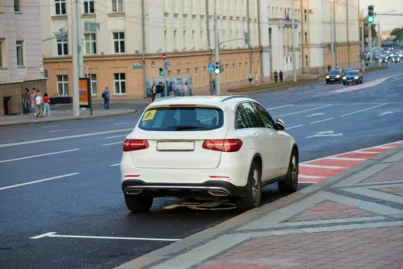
(162, 89)
(212, 87)
(250, 78)
(257, 78)
(26, 101)
(153, 92)
(106, 96)
(185, 89)
(275, 76)
(281, 76)
(46, 106)
(170, 89)
(38, 102)
(33, 105)
(158, 90)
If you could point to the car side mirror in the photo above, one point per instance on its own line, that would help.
(280, 125)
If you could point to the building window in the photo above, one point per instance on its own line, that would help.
(204, 76)
(175, 41)
(62, 46)
(20, 53)
(178, 72)
(89, 6)
(93, 84)
(184, 40)
(120, 83)
(62, 85)
(196, 77)
(305, 15)
(60, 6)
(119, 42)
(2, 64)
(17, 6)
(90, 44)
(187, 71)
(117, 5)
(306, 38)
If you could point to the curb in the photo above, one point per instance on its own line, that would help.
(68, 119)
(272, 88)
(178, 248)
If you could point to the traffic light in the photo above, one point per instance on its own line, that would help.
(161, 72)
(217, 67)
(371, 14)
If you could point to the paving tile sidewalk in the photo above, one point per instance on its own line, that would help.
(352, 220)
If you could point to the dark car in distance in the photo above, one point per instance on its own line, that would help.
(395, 59)
(353, 76)
(333, 76)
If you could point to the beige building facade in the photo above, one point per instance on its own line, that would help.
(20, 53)
(184, 30)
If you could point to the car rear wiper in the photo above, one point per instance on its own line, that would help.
(187, 127)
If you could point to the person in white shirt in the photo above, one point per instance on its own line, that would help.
(38, 103)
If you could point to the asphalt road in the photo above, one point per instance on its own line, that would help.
(86, 201)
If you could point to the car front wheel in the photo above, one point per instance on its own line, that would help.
(138, 203)
(253, 194)
(290, 184)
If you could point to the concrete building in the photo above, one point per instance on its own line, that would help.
(183, 29)
(20, 53)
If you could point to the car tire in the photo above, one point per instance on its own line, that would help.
(344, 83)
(253, 194)
(327, 82)
(138, 204)
(290, 184)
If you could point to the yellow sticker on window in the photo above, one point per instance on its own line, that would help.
(149, 115)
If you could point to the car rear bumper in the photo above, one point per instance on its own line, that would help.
(211, 188)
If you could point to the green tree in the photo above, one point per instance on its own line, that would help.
(398, 33)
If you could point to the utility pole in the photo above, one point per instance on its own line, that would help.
(348, 34)
(379, 41)
(144, 48)
(217, 50)
(302, 39)
(334, 32)
(294, 65)
(362, 43)
(250, 52)
(332, 37)
(370, 41)
(208, 38)
(80, 42)
(75, 56)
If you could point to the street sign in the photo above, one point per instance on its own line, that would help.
(166, 65)
(152, 64)
(210, 68)
(137, 65)
(362, 55)
(164, 56)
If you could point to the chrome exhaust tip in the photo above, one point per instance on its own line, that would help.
(133, 191)
(218, 193)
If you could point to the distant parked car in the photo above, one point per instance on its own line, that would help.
(353, 76)
(384, 59)
(333, 76)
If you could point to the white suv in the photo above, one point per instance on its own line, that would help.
(206, 146)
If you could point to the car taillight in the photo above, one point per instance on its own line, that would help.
(224, 145)
(135, 144)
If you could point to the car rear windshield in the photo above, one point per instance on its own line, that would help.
(334, 73)
(182, 119)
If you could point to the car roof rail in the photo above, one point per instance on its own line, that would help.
(233, 97)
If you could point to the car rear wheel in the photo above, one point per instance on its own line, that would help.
(138, 203)
(290, 184)
(253, 195)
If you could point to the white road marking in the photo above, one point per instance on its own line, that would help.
(325, 134)
(322, 120)
(385, 113)
(401, 85)
(116, 136)
(51, 126)
(36, 156)
(383, 147)
(107, 120)
(126, 122)
(346, 159)
(116, 164)
(38, 181)
(60, 130)
(53, 234)
(278, 107)
(321, 166)
(310, 177)
(315, 114)
(63, 138)
(302, 111)
(293, 127)
(115, 143)
(362, 110)
(367, 152)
